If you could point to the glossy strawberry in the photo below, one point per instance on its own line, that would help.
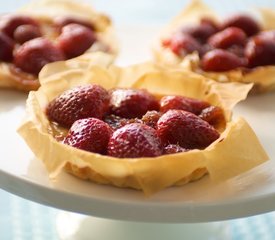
(185, 129)
(133, 141)
(132, 103)
(182, 103)
(260, 50)
(174, 148)
(77, 103)
(75, 39)
(8, 23)
(202, 31)
(151, 118)
(33, 55)
(6, 47)
(244, 22)
(182, 44)
(90, 134)
(219, 60)
(213, 115)
(227, 38)
(26, 32)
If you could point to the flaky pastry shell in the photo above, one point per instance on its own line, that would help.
(263, 77)
(45, 11)
(236, 151)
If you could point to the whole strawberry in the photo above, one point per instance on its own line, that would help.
(77, 103)
(132, 103)
(90, 134)
(185, 129)
(133, 141)
(182, 103)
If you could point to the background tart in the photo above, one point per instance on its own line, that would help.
(262, 76)
(51, 16)
(228, 156)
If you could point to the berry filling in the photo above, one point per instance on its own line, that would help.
(236, 42)
(30, 43)
(132, 123)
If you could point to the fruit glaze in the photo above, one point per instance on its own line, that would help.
(234, 48)
(45, 32)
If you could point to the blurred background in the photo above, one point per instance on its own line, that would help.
(153, 12)
(21, 219)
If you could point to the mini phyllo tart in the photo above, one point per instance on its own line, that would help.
(237, 48)
(145, 126)
(46, 31)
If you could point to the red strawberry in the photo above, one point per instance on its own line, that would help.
(213, 115)
(219, 60)
(182, 103)
(228, 37)
(89, 134)
(182, 44)
(10, 22)
(75, 39)
(77, 103)
(133, 141)
(186, 129)
(132, 103)
(245, 22)
(34, 54)
(6, 47)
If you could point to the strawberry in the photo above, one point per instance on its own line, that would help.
(213, 115)
(133, 141)
(90, 134)
(182, 44)
(75, 39)
(185, 129)
(6, 47)
(34, 54)
(132, 103)
(182, 103)
(10, 22)
(77, 103)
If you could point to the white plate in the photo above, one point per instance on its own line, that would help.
(248, 194)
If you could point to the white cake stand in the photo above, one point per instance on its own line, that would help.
(203, 201)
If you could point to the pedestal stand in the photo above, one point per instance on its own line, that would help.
(71, 226)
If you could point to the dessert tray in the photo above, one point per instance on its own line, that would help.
(247, 194)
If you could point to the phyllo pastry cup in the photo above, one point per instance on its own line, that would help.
(51, 16)
(235, 151)
(262, 76)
